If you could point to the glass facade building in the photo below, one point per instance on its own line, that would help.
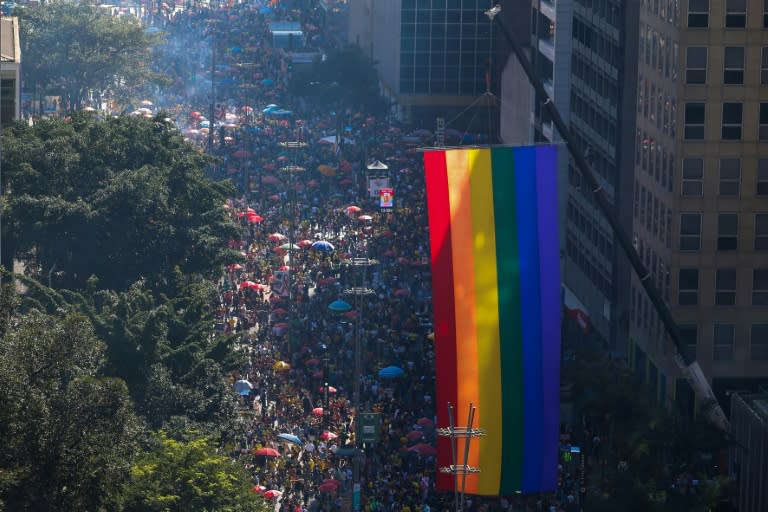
(445, 47)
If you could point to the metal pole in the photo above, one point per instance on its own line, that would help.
(452, 427)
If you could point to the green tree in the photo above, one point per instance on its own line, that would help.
(191, 476)
(76, 47)
(122, 200)
(68, 433)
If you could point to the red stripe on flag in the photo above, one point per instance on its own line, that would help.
(439, 212)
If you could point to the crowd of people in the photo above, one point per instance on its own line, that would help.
(326, 275)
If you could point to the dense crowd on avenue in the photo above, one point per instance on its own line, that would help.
(301, 300)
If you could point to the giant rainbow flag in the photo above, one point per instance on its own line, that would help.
(496, 297)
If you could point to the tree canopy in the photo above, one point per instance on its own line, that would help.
(190, 475)
(120, 200)
(74, 47)
(68, 432)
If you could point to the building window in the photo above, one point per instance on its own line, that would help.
(698, 13)
(735, 13)
(764, 66)
(760, 287)
(763, 129)
(759, 342)
(688, 287)
(733, 65)
(730, 176)
(762, 177)
(722, 342)
(693, 177)
(765, 13)
(694, 121)
(727, 231)
(725, 287)
(690, 231)
(761, 231)
(696, 65)
(731, 129)
(688, 338)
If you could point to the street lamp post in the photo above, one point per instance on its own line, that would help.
(359, 292)
(292, 170)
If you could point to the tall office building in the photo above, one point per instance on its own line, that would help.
(584, 52)
(668, 101)
(434, 57)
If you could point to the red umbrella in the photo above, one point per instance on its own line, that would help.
(284, 267)
(248, 284)
(254, 218)
(365, 217)
(277, 237)
(274, 197)
(352, 209)
(425, 422)
(312, 361)
(317, 411)
(414, 434)
(267, 452)
(235, 266)
(258, 489)
(326, 281)
(327, 488)
(331, 389)
(304, 243)
(279, 311)
(331, 481)
(281, 325)
(350, 314)
(272, 494)
(402, 292)
(423, 449)
(327, 436)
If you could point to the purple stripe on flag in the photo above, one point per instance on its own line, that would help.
(549, 279)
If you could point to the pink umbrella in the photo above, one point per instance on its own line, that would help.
(317, 411)
(327, 436)
(254, 218)
(271, 180)
(423, 449)
(276, 237)
(331, 389)
(272, 494)
(258, 489)
(304, 243)
(352, 209)
(281, 325)
(331, 481)
(327, 488)
(312, 361)
(365, 217)
(235, 266)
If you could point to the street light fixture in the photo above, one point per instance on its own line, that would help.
(359, 292)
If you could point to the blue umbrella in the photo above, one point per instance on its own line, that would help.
(290, 438)
(243, 387)
(391, 372)
(323, 245)
(267, 81)
(340, 306)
